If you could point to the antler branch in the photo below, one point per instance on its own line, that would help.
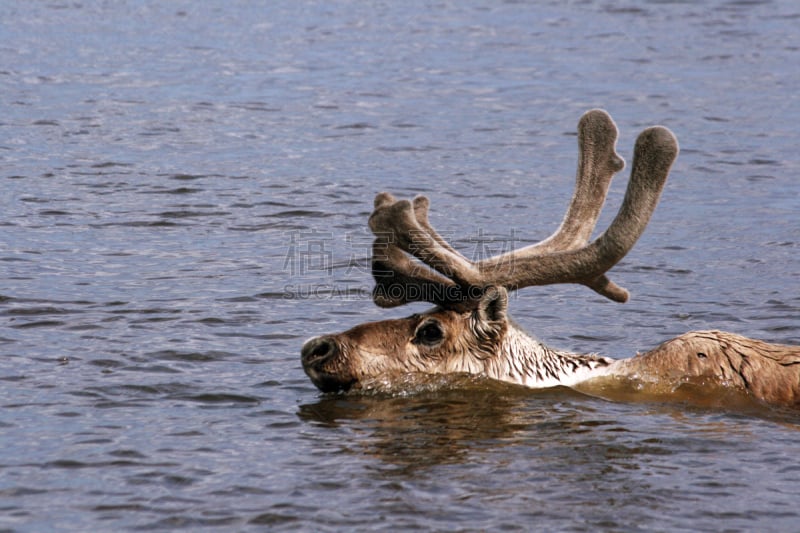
(598, 161)
(655, 151)
(402, 228)
(398, 279)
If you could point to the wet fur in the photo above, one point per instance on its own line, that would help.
(470, 331)
(486, 342)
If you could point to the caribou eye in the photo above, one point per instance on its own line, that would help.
(429, 333)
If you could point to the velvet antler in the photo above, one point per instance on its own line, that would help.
(445, 277)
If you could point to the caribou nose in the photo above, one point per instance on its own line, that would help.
(318, 350)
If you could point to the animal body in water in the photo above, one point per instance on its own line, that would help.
(469, 330)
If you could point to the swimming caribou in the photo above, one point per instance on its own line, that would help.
(469, 330)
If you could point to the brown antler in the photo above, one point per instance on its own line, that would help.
(655, 151)
(598, 161)
(400, 280)
(564, 257)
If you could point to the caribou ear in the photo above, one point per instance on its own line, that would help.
(493, 305)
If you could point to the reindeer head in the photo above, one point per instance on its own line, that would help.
(468, 328)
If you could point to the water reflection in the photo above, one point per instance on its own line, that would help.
(430, 422)
(465, 418)
(487, 445)
(413, 430)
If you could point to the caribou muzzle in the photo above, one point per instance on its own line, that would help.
(319, 355)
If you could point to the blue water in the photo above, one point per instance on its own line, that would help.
(185, 193)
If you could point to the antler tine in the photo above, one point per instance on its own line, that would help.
(598, 161)
(398, 280)
(655, 151)
(383, 199)
(421, 205)
(402, 229)
(399, 223)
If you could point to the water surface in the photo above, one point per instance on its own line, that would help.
(185, 194)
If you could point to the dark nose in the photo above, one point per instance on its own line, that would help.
(318, 350)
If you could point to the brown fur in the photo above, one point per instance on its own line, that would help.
(769, 372)
(392, 347)
(478, 343)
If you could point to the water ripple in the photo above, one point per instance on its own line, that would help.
(163, 181)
